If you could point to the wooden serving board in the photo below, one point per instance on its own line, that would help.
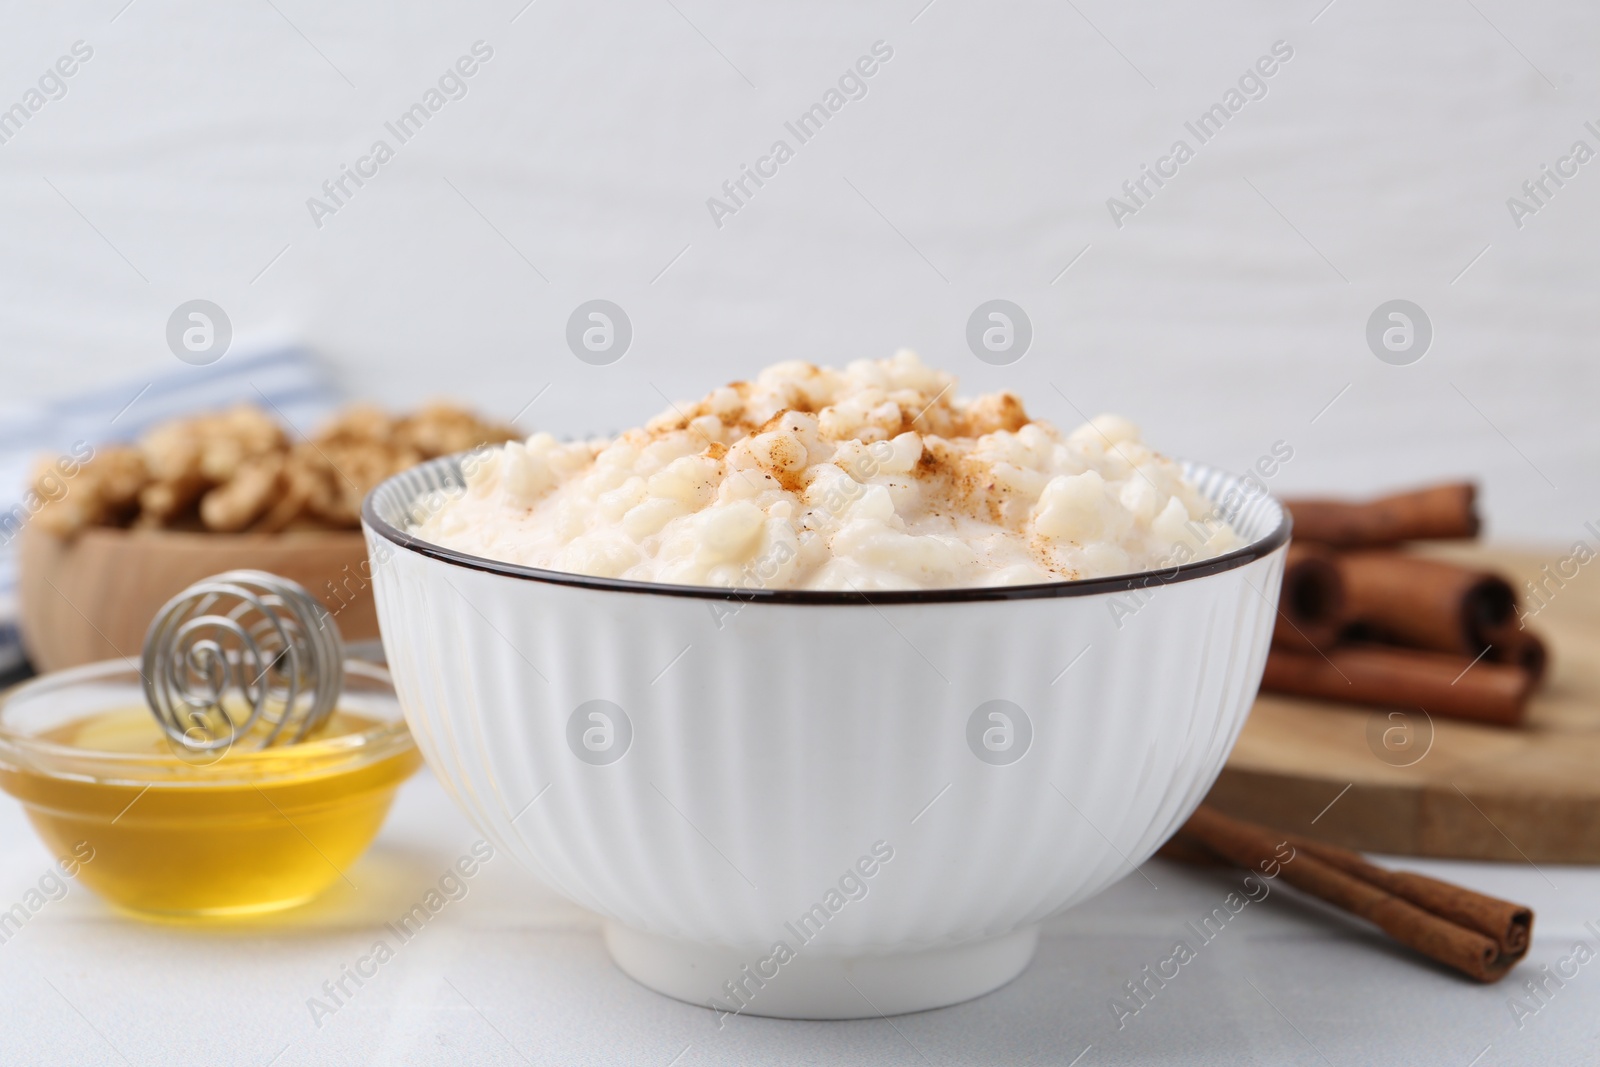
(1525, 794)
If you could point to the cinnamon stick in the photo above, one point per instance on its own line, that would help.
(1425, 603)
(1510, 925)
(1521, 647)
(1441, 511)
(1182, 848)
(1451, 686)
(1462, 947)
(1311, 605)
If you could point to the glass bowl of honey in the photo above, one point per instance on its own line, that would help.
(168, 833)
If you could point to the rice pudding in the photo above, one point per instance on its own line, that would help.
(870, 477)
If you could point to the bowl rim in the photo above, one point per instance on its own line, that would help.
(318, 756)
(414, 480)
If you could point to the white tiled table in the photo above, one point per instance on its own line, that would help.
(511, 974)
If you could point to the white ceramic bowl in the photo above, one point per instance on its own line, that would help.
(820, 805)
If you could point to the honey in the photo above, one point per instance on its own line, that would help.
(179, 834)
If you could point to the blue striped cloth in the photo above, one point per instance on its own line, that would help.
(289, 382)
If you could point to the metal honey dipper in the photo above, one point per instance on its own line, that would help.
(240, 655)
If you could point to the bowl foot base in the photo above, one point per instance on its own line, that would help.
(810, 984)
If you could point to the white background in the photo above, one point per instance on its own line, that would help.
(1224, 316)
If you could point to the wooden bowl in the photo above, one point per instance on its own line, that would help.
(91, 597)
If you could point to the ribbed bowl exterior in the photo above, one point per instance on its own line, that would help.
(774, 744)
